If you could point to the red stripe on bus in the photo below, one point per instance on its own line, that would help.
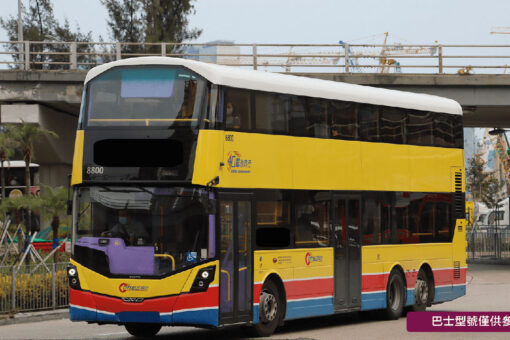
(300, 289)
(378, 282)
(161, 305)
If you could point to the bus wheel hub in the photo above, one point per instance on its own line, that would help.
(269, 306)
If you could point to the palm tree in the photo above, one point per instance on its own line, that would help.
(7, 146)
(25, 134)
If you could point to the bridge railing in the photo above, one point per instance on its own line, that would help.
(292, 58)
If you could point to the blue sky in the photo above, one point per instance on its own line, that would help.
(320, 21)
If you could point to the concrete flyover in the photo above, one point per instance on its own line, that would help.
(52, 100)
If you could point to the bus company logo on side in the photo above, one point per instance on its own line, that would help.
(309, 259)
(126, 287)
(236, 164)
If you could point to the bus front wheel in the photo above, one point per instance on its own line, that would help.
(270, 309)
(143, 329)
(395, 295)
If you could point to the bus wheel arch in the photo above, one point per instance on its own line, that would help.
(272, 306)
(396, 289)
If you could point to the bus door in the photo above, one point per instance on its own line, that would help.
(347, 252)
(236, 282)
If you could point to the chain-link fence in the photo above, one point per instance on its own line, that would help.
(489, 244)
(33, 288)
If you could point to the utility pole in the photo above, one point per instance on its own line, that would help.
(20, 22)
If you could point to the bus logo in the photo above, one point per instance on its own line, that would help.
(236, 164)
(124, 287)
(309, 259)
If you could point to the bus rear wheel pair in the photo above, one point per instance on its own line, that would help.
(396, 293)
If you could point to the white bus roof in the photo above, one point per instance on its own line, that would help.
(289, 84)
(18, 164)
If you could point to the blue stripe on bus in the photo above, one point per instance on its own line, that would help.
(204, 316)
(377, 300)
(373, 301)
(80, 314)
(447, 293)
(444, 293)
(297, 309)
(312, 307)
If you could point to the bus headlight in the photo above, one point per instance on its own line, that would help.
(72, 276)
(204, 277)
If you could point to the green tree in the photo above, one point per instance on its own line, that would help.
(7, 146)
(482, 184)
(168, 21)
(40, 24)
(150, 21)
(25, 135)
(53, 204)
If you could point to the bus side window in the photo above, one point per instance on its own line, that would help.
(271, 112)
(368, 117)
(312, 223)
(419, 128)
(344, 120)
(297, 114)
(317, 118)
(237, 109)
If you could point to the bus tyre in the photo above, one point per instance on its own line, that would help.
(270, 309)
(395, 295)
(143, 329)
(422, 293)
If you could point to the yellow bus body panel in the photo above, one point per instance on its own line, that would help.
(284, 162)
(78, 158)
(171, 285)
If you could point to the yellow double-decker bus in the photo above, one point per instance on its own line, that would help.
(206, 195)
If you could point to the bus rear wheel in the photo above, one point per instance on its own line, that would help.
(143, 329)
(395, 295)
(270, 309)
(422, 292)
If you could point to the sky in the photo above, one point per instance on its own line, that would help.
(318, 21)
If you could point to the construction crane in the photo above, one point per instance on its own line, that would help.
(399, 49)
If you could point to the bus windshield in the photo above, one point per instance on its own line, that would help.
(146, 96)
(141, 230)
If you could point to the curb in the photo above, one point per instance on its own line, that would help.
(34, 317)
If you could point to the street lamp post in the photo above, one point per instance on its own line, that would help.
(20, 22)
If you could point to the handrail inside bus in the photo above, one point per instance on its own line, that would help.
(228, 283)
(167, 256)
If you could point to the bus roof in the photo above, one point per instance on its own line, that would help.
(17, 164)
(289, 84)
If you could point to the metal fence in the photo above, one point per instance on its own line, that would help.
(337, 58)
(33, 288)
(488, 244)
